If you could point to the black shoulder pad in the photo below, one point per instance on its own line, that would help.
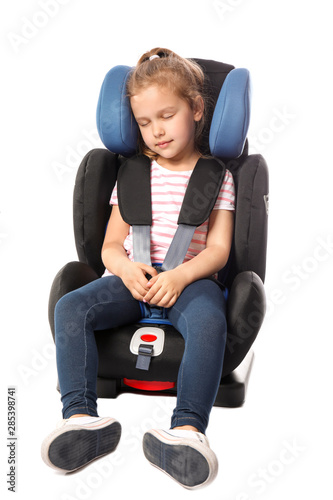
(133, 188)
(202, 191)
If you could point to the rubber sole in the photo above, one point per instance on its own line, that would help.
(182, 462)
(74, 448)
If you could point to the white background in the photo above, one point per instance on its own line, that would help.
(54, 55)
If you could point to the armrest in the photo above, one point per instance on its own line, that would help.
(245, 314)
(72, 276)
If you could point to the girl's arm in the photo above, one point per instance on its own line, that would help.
(115, 258)
(215, 256)
(166, 287)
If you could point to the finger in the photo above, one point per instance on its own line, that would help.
(157, 297)
(152, 281)
(148, 269)
(153, 286)
(139, 289)
(168, 300)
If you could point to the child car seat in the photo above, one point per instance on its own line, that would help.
(145, 357)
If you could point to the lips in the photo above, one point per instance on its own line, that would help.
(163, 144)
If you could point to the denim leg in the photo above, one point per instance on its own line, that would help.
(199, 315)
(104, 303)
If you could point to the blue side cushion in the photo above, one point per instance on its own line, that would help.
(116, 125)
(231, 116)
(118, 129)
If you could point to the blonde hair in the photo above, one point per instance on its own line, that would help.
(181, 76)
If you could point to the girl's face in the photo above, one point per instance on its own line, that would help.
(167, 123)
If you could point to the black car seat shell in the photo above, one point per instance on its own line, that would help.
(225, 138)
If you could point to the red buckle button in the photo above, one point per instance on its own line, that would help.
(148, 338)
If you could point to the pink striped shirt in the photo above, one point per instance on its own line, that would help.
(168, 190)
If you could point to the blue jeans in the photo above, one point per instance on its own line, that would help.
(198, 314)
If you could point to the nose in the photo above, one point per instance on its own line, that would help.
(158, 130)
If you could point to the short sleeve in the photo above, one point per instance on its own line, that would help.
(226, 197)
(114, 196)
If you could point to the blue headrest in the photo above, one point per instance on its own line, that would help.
(116, 125)
(231, 117)
(118, 129)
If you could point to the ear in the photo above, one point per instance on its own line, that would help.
(198, 108)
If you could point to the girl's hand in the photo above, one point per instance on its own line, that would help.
(165, 288)
(133, 275)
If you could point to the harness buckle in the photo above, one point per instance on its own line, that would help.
(145, 354)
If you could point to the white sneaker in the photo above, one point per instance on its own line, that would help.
(77, 441)
(183, 455)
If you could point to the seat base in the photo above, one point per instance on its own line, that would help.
(231, 393)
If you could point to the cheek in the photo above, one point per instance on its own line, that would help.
(186, 130)
(185, 126)
(145, 135)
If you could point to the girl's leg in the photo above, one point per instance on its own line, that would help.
(199, 315)
(104, 303)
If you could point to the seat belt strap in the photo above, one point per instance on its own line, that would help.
(178, 247)
(141, 244)
(135, 206)
(145, 354)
